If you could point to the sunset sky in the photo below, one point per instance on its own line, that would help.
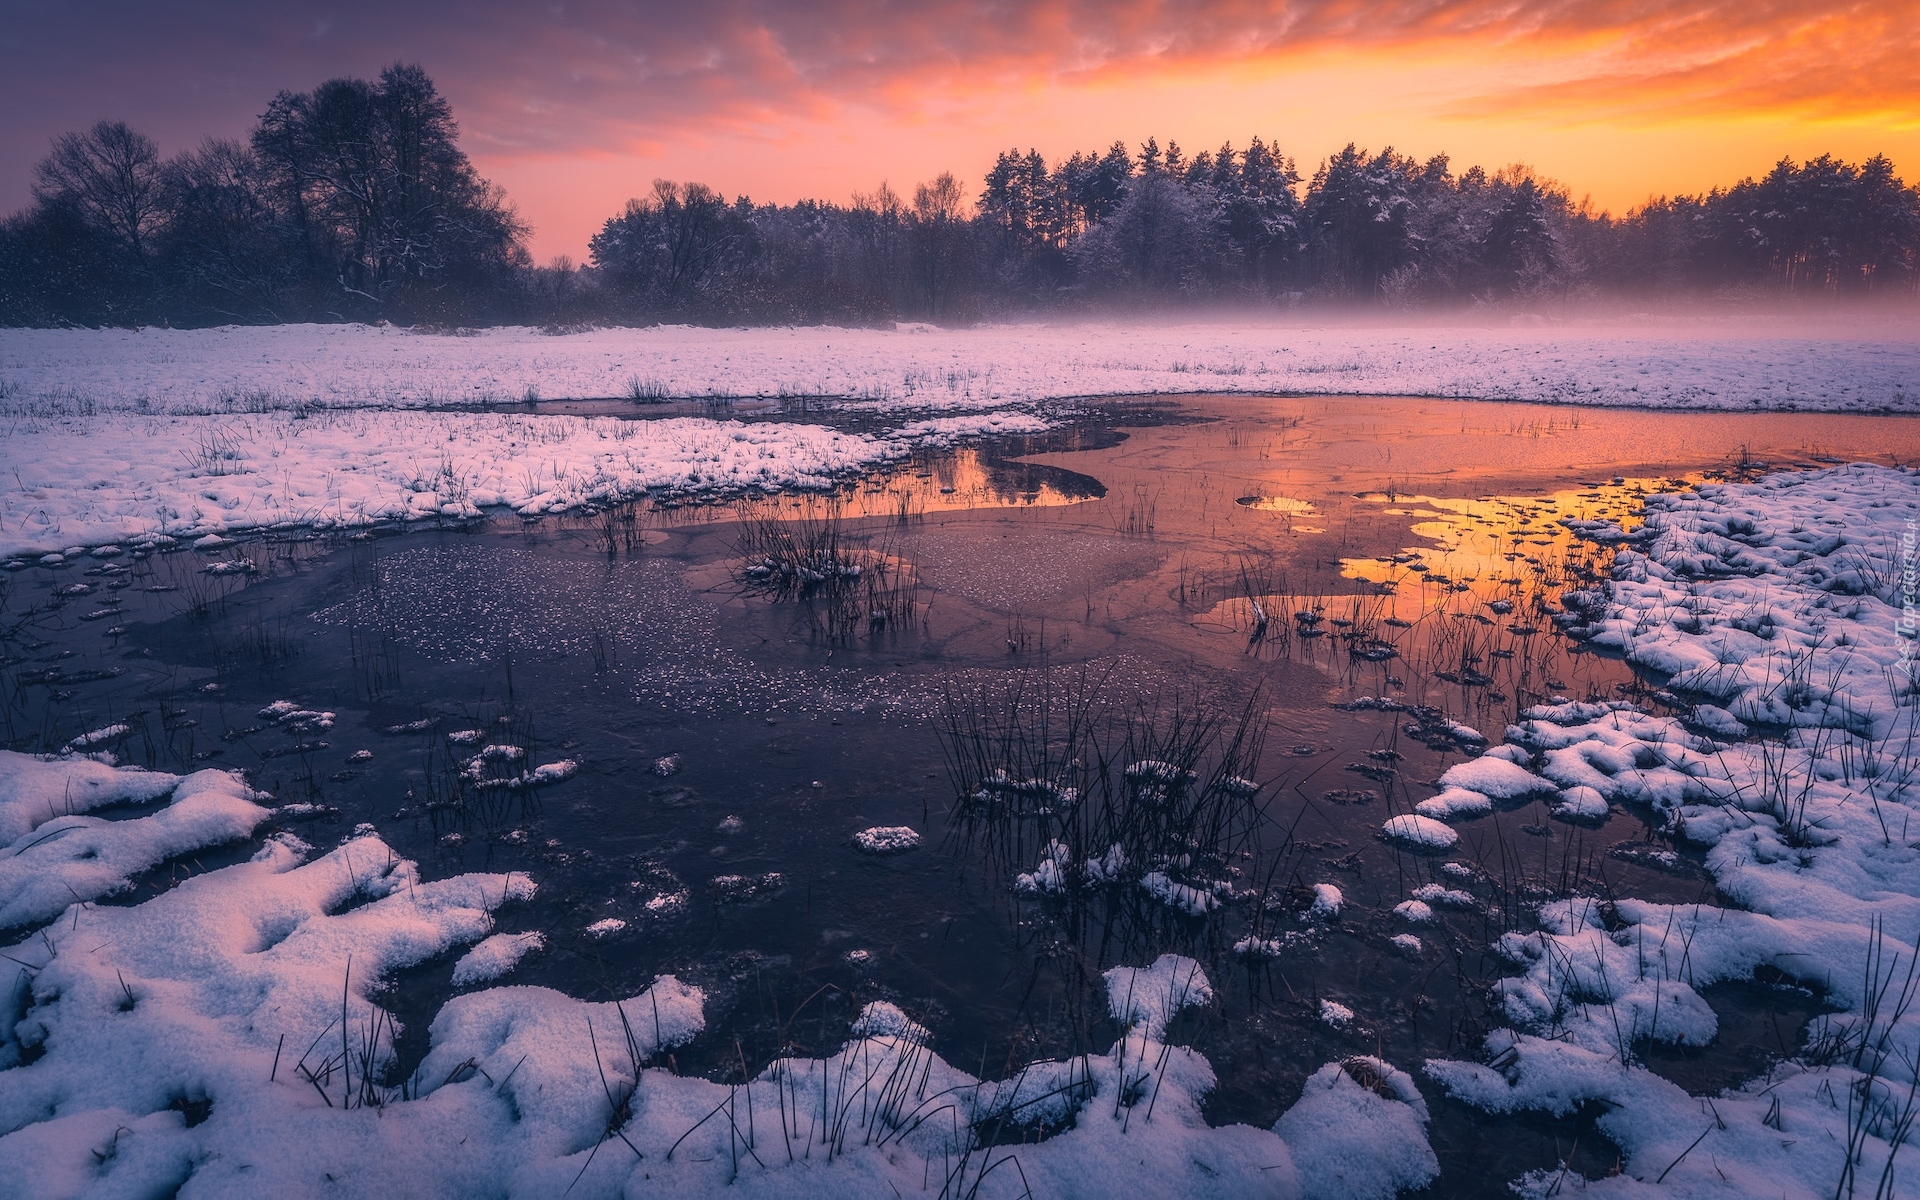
(573, 107)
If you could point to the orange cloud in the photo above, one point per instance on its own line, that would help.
(576, 105)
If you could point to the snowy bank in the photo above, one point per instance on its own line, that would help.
(125, 479)
(226, 1038)
(1779, 601)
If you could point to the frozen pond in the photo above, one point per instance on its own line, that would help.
(1373, 580)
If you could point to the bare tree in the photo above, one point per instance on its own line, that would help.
(939, 227)
(112, 177)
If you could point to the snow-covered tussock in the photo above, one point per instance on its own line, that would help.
(883, 1019)
(1144, 999)
(1359, 1129)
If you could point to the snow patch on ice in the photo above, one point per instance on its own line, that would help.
(886, 839)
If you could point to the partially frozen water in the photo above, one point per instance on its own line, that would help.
(1373, 567)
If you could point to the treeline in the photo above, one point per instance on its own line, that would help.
(354, 203)
(351, 202)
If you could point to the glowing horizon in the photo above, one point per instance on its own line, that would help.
(573, 110)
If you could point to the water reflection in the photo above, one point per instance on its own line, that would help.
(955, 481)
(1285, 505)
(1498, 546)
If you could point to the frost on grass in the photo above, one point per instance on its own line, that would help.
(1773, 603)
(886, 839)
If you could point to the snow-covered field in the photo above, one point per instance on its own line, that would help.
(1869, 364)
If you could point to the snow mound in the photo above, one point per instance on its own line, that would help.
(1454, 802)
(33, 790)
(494, 957)
(1144, 999)
(1417, 830)
(883, 1019)
(1580, 804)
(1327, 902)
(1494, 777)
(72, 859)
(1414, 912)
(1359, 1132)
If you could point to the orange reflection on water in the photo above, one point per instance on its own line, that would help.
(945, 483)
(1286, 505)
(1495, 546)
